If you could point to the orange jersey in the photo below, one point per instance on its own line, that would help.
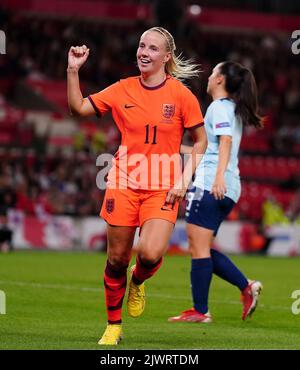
(151, 121)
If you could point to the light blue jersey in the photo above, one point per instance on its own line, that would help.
(220, 119)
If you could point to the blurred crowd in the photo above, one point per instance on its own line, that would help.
(38, 48)
(60, 184)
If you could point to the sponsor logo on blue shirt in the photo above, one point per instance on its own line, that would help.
(222, 124)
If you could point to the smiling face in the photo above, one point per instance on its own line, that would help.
(152, 54)
(215, 79)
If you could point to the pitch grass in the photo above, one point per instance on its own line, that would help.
(56, 301)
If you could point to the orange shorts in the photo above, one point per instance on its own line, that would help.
(128, 207)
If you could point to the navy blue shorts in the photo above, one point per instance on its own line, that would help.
(204, 210)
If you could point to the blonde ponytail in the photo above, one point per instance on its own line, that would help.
(177, 66)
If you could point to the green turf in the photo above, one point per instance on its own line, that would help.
(55, 301)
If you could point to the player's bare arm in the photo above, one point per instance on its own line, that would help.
(219, 187)
(177, 193)
(78, 105)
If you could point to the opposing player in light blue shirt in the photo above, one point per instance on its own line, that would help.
(216, 188)
(220, 120)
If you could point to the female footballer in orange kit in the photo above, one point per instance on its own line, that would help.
(151, 111)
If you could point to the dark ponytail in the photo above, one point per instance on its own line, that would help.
(241, 87)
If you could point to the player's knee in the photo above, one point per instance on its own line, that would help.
(149, 252)
(197, 252)
(198, 249)
(118, 262)
(149, 258)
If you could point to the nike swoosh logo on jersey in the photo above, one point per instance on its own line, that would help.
(165, 209)
(128, 106)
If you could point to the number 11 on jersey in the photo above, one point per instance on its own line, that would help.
(148, 133)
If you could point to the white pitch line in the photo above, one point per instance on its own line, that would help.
(51, 286)
(154, 295)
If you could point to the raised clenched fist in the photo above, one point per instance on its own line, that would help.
(77, 56)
